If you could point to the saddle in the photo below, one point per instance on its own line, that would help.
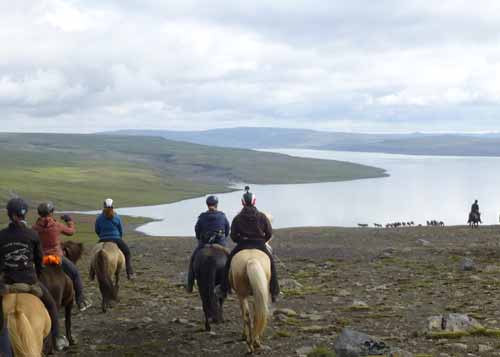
(23, 288)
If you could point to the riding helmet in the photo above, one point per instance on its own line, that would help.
(248, 198)
(17, 207)
(45, 208)
(212, 201)
(108, 203)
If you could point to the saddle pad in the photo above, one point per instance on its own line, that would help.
(52, 260)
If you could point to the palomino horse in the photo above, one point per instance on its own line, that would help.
(28, 323)
(61, 289)
(250, 274)
(107, 261)
(208, 267)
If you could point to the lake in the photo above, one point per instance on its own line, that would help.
(419, 188)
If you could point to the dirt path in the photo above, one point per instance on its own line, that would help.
(402, 282)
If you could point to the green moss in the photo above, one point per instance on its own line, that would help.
(283, 334)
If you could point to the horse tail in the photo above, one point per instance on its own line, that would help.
(21, 334)
(260, 289)
(101, 271)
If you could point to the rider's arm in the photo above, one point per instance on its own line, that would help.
(120, 227)
(98, 226)
(68, 229)
(197, 229)
(227, 227)
(268, 229)
(37, 254)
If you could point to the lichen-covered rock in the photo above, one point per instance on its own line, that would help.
(467, 264)
(400, 353)
(351, 343)
(453, 323)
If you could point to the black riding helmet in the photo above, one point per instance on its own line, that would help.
(248, 198)
(212, 201)
(17, 207)
(45, 208)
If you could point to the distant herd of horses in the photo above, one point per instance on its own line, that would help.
(402, 224)
(29, 324)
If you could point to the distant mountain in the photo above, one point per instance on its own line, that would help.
(415, 143)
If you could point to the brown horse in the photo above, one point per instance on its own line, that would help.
(61, 289)
(107, 261)
(28, 323)
(250, 274)
(72, 250)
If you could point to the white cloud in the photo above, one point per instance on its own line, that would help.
(385, 65)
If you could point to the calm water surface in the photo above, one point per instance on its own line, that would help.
(419, 188)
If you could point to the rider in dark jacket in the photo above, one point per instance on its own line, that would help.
(21, 260)
(212, 227)
(475, 209)
(251, 229)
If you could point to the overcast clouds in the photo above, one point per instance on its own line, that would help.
(371, 66)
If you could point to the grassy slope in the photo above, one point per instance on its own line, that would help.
(78, 171)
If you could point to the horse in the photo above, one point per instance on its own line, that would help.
(208, 267)
(61, 288)
(107, 261)
(250, 274)
(28, 323)
(72, 250)
(474, 219)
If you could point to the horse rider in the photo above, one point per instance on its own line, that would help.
(21, 261)
(212, 227)
(475, 209)
(251, 229)
(49, 230)
(108, 227)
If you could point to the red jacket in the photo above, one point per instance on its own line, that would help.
(49, 231)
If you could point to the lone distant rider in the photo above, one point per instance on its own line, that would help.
(49, 230)
(475, 209)
(108, 226)
(21, 260)
(251, 229)
(212, 227)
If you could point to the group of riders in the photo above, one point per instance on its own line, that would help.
(25, 250)
(250, 229)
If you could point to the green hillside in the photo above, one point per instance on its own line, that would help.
(78, 171)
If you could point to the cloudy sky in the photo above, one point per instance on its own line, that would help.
(358, 65)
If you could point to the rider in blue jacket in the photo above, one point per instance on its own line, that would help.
(212, 227)
(108, 227)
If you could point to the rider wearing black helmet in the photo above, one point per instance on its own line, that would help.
(251, 229)
(21, 260)
(212, 227)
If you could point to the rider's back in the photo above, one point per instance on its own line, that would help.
(19, 249)
(251, 224)
(210, 222)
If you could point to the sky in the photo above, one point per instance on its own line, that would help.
(356, 66)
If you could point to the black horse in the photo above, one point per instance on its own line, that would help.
(474, 219)
(208, 267)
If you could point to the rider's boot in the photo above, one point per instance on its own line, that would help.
(190, 279)
(274, 286)
(129, 269)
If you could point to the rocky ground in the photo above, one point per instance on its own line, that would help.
(384, 282)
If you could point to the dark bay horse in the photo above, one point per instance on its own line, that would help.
(208, 267)
(61, 289)
(474, 219)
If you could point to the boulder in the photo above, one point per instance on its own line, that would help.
(423, 242)
(467, 264)
(351, 343)
(400, 353)
(285, 311)
(453, 323)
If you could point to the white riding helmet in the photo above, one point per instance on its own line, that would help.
(108, 203)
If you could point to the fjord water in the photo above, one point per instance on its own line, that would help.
(419, 188)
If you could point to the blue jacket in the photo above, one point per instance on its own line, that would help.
(212, 223)
(107, 228)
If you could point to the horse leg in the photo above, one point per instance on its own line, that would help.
(67, 322)
(221, 311)
(117, 286)
(91, 273)
(247, 324)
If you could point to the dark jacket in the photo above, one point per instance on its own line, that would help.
(109, 228)
(20, 254)
(49, 232)
(250, 224)
(212, 223)
(475, 207)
